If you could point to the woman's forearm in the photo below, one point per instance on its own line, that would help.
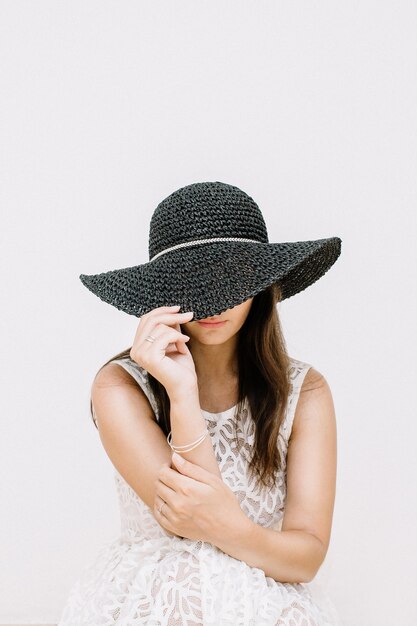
(286, 556)
(187, 424)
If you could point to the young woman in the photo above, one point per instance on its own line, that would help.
(224, 446)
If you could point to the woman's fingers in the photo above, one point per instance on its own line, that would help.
(151, 324)
(163, 339)
(169, 319)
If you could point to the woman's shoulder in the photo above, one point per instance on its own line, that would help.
(124, 371)
(298, 370)
(132, 367)
(314, 396)
(305, 373)
(120, 370)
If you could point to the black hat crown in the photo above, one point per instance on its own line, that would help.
(205, 210)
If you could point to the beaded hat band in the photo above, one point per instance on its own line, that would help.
(209, 251)
(192, 243)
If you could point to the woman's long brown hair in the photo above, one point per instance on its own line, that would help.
(263, 366)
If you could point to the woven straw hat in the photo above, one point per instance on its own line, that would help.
(208, 252)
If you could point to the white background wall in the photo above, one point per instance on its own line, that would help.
(108, 107)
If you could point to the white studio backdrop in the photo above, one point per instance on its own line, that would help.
(107, 108)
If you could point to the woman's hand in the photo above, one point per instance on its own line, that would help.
(198, 504)
(167, 358)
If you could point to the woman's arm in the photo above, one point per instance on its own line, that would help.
(131, 436)
(296, 553)
(290, 556)
(187, 424)
(129, 432)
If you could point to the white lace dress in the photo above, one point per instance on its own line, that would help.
(146, 576)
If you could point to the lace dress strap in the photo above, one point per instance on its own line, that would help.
(298, 371)
(141, 377)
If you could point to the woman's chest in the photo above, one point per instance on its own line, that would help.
(233, 449)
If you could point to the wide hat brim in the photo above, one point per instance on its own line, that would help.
(212, 277)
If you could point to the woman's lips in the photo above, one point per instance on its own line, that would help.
(211, 324)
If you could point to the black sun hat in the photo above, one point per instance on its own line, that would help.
(208, 252)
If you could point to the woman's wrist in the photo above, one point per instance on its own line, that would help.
(187, 425)
(185, 396)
